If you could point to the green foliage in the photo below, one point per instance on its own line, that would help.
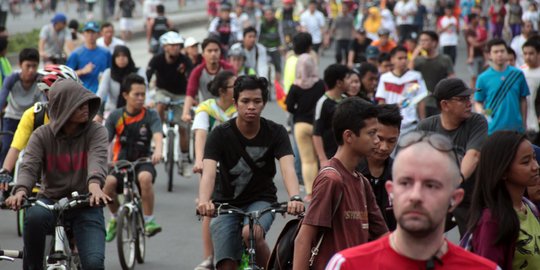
(19, 41)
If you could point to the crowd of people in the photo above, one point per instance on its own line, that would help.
(387, 150)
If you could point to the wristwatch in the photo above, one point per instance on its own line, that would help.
(296, 198)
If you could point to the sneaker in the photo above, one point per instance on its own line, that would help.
(151, 228)
(207, 264)
(111, 230)
(185, 170)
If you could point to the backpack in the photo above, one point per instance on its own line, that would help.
(281, 257)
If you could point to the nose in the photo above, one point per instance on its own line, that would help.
(535, 166)
(416, 193)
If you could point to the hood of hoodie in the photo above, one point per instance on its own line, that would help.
(64, 98)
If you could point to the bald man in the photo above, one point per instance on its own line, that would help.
(424, 189)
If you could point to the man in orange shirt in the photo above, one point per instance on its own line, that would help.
(384, 43)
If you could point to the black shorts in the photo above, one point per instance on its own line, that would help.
(144, 167)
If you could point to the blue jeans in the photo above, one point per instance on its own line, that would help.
(8, 124)
(87, 226)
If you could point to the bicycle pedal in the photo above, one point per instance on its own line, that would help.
(55, 257)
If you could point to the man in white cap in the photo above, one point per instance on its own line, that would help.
(191, 49)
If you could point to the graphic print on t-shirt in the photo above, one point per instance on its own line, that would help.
(244, 171)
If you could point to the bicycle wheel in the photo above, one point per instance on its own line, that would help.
(125, 237)
(20, 221)
(140, 240)
(170, 159)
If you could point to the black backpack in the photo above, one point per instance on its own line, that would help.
(282, 254)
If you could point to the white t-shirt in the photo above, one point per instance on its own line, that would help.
(450, 36)
(532, 76)
(405, 91)
(516, 44)
(313, 23)
(115, 42)
(403, 9)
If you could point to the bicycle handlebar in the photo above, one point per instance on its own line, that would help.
(171, 102)
(65, 203)
(120, 165)
(225, 208)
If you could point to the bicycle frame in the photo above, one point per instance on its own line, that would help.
(253, 217)
(171, 127)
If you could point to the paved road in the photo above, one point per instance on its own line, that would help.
(27, 20)
(179, 245)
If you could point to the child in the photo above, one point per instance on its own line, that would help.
(497, 12)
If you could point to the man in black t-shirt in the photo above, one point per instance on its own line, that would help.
(246, 173)
(357, 48)
(377, 167)
(171, 68)
(466, 129)
(323, 137)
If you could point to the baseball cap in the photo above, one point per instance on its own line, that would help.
(372, 52)
(91, 26)
(59, 17)
(383, 31)
(190, 41)
(225, 6)
(451, 87)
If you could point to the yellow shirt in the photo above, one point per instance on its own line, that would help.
(25, 128)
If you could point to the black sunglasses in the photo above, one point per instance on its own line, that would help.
(439, 142)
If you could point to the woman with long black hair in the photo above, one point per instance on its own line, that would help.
(109, 86)
(504, 224)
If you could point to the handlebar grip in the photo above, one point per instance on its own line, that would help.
(12, 253)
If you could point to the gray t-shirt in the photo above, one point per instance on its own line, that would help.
(433, 70)
(471, 134)
(54, 41)
(21, 99)
(343, 26)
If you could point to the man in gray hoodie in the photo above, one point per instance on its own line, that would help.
(71, 152)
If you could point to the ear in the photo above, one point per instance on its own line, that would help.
(456, 198)
(125, 94)
(389, 185)
(347, 136)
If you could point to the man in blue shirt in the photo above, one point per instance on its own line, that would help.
(502, 92)
(90, 60)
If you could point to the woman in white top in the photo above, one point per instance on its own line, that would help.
(208, 115)
(111, 80)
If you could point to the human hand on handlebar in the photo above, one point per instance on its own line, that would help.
(15, 201)
(206, 208)
(156, 157)
(5, 179)
(97, 195)
(186, 117)
(295, 207)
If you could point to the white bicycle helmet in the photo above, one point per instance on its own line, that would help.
(51, 73)
(171, 37)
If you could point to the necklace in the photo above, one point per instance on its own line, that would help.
(443, 248)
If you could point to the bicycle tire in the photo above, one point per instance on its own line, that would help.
(170, 159)
(125, 239)
(140, 240)
(20, 221)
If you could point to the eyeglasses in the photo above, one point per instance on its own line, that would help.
(230, 86)
(439, 142)
(462, 99)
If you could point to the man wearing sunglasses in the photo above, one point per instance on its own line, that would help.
(466, 129)
(424, 189)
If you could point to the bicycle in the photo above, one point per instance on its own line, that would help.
(171, 140)
(248, 257)
(131, 237)
(58, 250)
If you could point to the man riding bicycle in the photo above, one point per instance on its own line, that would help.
(134, 127)
(171, 68)
(246, 173)
(33, 118)
(71, 154)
